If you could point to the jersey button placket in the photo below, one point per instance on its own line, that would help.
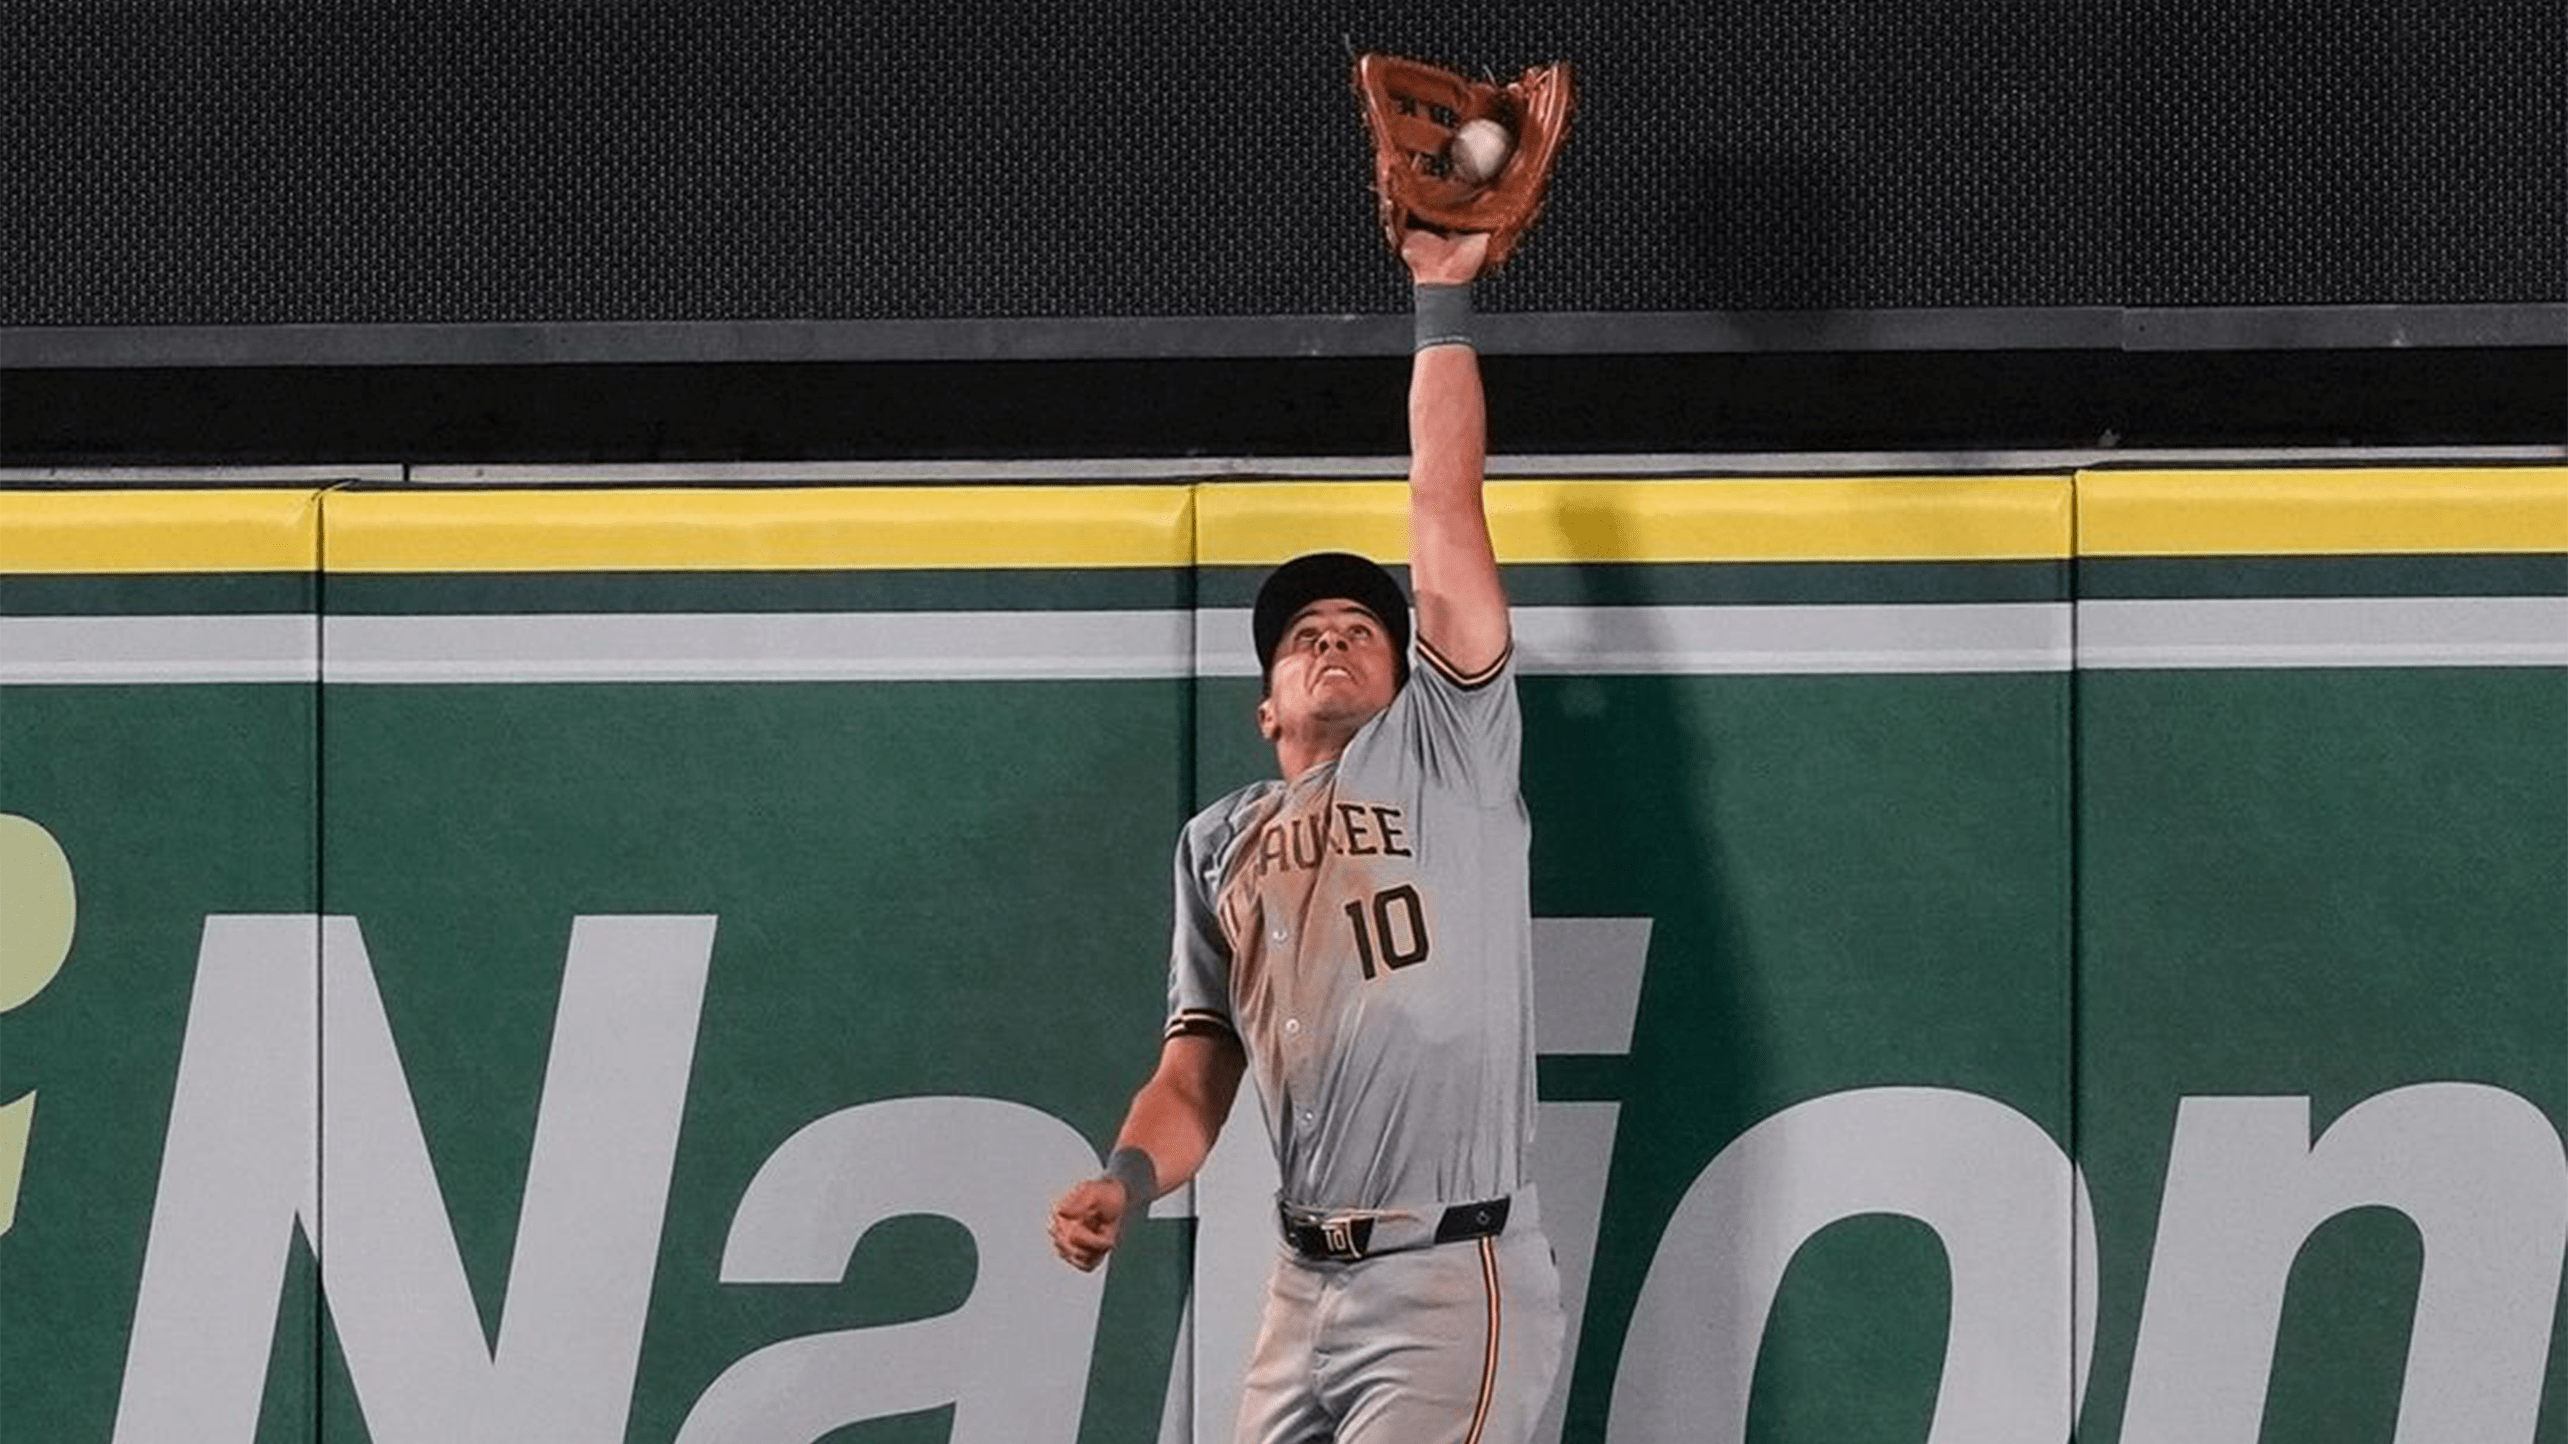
(1296, 1058)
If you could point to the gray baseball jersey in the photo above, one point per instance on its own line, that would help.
(1364, 929)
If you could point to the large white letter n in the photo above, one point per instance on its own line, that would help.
(2478, 1170)
(289, 1076)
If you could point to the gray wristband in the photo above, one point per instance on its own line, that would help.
(1140, 1177)
(1444, 316)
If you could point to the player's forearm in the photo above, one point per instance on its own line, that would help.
(1448, 432)
(1175, 1121)
(1453, 566)
(1177, 1151)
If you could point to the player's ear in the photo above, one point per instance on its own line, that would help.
(1266, 724)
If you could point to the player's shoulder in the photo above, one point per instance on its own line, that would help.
(1436, 688)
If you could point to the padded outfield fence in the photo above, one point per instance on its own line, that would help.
(2016, 954)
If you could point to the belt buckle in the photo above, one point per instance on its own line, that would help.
(1339, 1235)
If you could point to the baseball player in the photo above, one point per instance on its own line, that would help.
(1357, 934)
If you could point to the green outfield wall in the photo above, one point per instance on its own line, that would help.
(2019, 957)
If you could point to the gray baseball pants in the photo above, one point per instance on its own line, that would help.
(1455, 1343)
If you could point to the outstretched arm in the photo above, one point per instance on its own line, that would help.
(1453, 568)
(1171, 1127)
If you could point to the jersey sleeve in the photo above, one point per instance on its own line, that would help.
(1466, 727)
(1198, 955)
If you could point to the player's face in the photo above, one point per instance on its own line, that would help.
(1334, 666)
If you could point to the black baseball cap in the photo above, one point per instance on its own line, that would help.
(1320, 577)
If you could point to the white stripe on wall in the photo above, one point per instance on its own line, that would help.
(1954, 637)
(759, 647)
(109, 650)
(1769, 640)
(2324, 632)
(1111, 645)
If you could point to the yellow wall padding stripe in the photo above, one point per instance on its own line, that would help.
(2117, 513)
(1955, 518)
(2320, 512)
(832, 528)
(130, 530)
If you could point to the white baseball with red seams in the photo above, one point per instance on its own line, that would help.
(1479, 149)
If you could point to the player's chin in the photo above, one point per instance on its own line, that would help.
(1344, 689)
(1350, 710)
(1335, 681)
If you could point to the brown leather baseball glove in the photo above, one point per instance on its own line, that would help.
(1416, 112)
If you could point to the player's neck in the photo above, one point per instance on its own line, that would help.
(1297, 755)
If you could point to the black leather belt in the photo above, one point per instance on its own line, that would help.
(1348, 1239)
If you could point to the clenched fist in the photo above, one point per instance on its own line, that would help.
(1087, 1221)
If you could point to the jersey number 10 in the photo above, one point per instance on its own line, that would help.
(1393, 928)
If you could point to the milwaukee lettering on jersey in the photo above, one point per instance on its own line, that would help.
(1302, 852)
(1348, 829)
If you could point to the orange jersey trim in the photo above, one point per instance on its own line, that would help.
(1468, 681)
(1197, 1022)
